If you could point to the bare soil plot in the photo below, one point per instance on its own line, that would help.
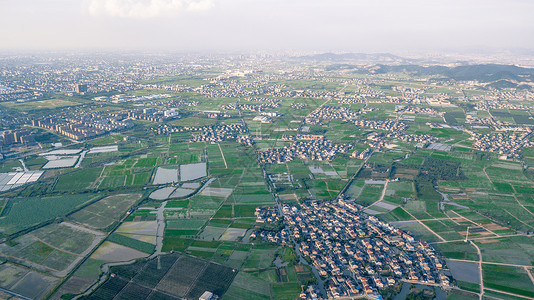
(288, 197)
(74, 285)
(211, 233)
(103, 213)
(10, 274)
(35, 285)
(217, 192)
(386, 205)
(114, 252)
(232, 234)
(141, 227)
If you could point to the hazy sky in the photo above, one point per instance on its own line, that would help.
(327, 25)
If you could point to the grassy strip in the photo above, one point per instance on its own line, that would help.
(131, 243)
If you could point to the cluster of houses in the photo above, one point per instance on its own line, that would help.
(387, 125)
(297, 106)
(356, 254)
(218, 133)
(153, 115)
(501, 100)
(498, 125)
(326, 112)
(245, 140)
(469, 119)
(353, 100)
(121, 98)
(509, 145)
(270, 215)
(307, 137)
(319, 149)
(415, 138)
(252, 107)
(10, 94)
(221, 129)
(410, 109)
(228, 89)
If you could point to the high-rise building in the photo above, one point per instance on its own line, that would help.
(80, 88)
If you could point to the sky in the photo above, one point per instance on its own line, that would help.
(395, 26)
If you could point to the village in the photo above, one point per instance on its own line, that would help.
(358, 254)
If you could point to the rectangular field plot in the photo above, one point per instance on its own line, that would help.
(517, 250)
(215, 278)
(508, 279)
(61, 163)
(165, 277)
(78, 180)
(177, 282)
(192, 171)
(165, 175)
(34, 285)
(247, 287)
(22, 213)
(217, 192)
(10, 274)
(185, 223)
(106, 211)
(211, 233)
(16, 179)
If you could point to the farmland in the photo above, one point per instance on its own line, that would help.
(147, 279)
(197, 165)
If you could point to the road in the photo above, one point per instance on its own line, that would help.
(160, 219)
(481, 295)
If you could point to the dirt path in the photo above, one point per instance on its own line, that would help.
(222, 154)
(487, 175)
(509, 294)
(520, 204)
(518, 219)
(23, 165)
(475, 223)
(527, 269)
(423, 224)
(491, 263)
(482, 238)
(381, 196)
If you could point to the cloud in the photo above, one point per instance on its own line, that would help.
(144, 9)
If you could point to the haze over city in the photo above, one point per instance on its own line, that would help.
(400, 27)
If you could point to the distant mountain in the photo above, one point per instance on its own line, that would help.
(366, 57)
(481, 73)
